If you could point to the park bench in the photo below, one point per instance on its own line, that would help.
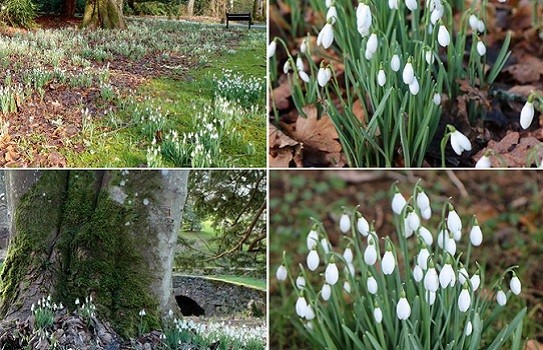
(238, 17)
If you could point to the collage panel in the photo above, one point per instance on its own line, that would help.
(415, 259)
(133, 259)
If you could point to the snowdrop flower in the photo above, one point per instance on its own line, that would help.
(462, 275)
(286, 67)
(325, 246)
(408, 231)
(312, 239)
(501, 298)
(300, 282)
(483, 162)
(348, 255)
(408, 73)
(481, 48)
(303, 46)
(413, 221)
(271, 49)
(313, 260)
(347, 287)
(527, 113)
(403, 309)
(422, 258)
(411, 5)
(423, 201)
(323, 76)
(363, 226)
(431, 279)
(453, 221)
(301, 306)
(464, 299)
(326, 292)
(142, 312)
(328, 3)
(303, 75)
(371, 283)
(476, 235)
(443, 37)
(437, 99)
(388, 264)
(515, 284)
(309, 313)
(469, 329)
(450, 246)
(300, 64)
(436, 15)
(363, 19)
(378, 314)
(459, 141)
(429, 57)
(418, 274)
(430, 297)
(370, 254)
(381, 77)
(473, 23)
(426, 214)
(77, 301)
(475, 281)
(480, 26)
(351, 269)
(398, 203)
(446, 276)
(331, 274)
(395, 63)
(326, 36)
(345, 223)
(371, 46)
(281, 275)
(414, 87)
(426, 235)
(393, 4)
(331, 15)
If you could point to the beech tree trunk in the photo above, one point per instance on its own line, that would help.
(106, 14)
(190, 8)
(108, 234)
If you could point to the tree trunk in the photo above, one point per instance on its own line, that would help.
(190, 8)
(108, 234)
(107, 14)
(68, 9)
(4, 222)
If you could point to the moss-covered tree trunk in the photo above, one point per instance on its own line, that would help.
(107, 14)
(109, 234)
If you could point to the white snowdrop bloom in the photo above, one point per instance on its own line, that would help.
(483, 162)
(363, 19)
(430, 297)
(309, 313)
(431, 280)
(281, 273)
(429, 57)
(515, 285)
(422, 258)
(527, 114)
(398, 203)
(426, 236)
(427, 213)
(323, 76)
(413, 221)
(481, 48)
(469, 329)
(313, 260)
(446, 276)
(395, 63)
(331, 274)
(325, 246)
(378, 314)
(286, 67)
(347, 287)
(271, 49)
(442, 237)
(300, 282)
(476, 236)
(408, 231)
(443, 36)
(388, 264)
(370, 255)
(328, 3)
(450, 246)
(300, 64)
(418, 274)
(436, 15)
(301, 306)
(372, 285)
(475, 282)
(437, 98)
(145, 202)
(460, 142)
(480, 26)
(464, 300)
(403, 309)
(345, 223)
(351, 269)
(326, 36)
(312, 239)
(393, 4)
(423, 201)
(303, 75)
(331, 15)
(411, 5)
(348, 255)
(303, 46)
(408, 74)
(381, 77)
(462, 275)
(414, 87)
(453, 221)
(473, 23)
(363, 226)
(326, 292)
(501, 298)
(371, 46)
(142, 312)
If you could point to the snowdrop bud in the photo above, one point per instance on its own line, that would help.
(408, 231)
(437, 99)
(443, 37)
(363, 19)
(371, 46)
(286, 67)
(418, 274)
(328, 3)
(453, 221)
(393, 4)
(411, 5)
(347, 287)
(331, 15)
(429, 56)
(325, 246)
(515, 284)
(281, 274)
(426, 236)
(462, 275)
(303, 46)
(395, 63)
(331, 274)
(527, 113)
(431, 279)
(398, 203)
(403, 309)
(408, 73)
(351, 269)
(363, 226)
(313, 260)
(345, 223)
(413, 221)
(326, 292)
(446, 276)
(480, 26)
(473, 23)
(426, 214)
(370, 255)
(481, 48)
(348, 255)
(423, 201)
(476, 236)
(271, 49)
(475, 282)
(300, 282)
(464, 300)
(323, 76)
(312, 239)
(378, 314)
(381, 77)
(309, 313)
(484, 162)
(300, 64)
(422, 258)
(303, 75)
(301, 306)
(436, 15)
(460, 142)
(388, 263)
(326, 36)
(450, 246)
(372, 285)
(414, 87)
(501, 298)
(469, 329)
(430, 297)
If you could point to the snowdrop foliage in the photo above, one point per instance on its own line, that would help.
(433, 297)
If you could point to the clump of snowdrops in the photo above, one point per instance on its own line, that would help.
(399, 61)
(419, 292)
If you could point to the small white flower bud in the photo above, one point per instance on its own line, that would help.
(301, 306)
(395, 63)
(303, 75)
(473, 23)
(363, 226)
(313, 260)
(414, 87)
(331, 274)
(388, 264)
(464, 300)
(351, 269)
(501, 298)
(372, 285)
(393, 4)
(527, 115)
(403, 309)
(418, 274)
(371, 46)
(312, 239)
(436, 15)
(331, 15)
(427, 213)
(453, 221)
(476, 236)
(443, 37)
(323, 76)
(325, 246)
(326, 292)
(431, 280)
(469, 329)
(481, 48)
(429, 56)
(300, 282)
(411, 5)
(309, 313)
(422, 258)
(345, 223)
(430, 297)
(378, 314)
(363, 19)
(515, 285)
(303, 46)
(481, 26)
(483, 162)
(447, 277)
(326, 36)
(381, 77)
(437, 99)
(423, 201)
(271, 49)
(413, 221)
(281, 275)
(426, 236)
(475, 282)
(462, 275)
(286, 67)
(300, 64)
(347, 287)
(398, 203)
(370, 255)
(408, 73)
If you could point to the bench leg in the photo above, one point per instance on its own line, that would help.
(227, 23)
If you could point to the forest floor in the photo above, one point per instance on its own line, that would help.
(147, 96)
(508, 205)
(297, 141)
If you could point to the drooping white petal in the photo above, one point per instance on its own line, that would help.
(323, 77)
(413, 221)
(309, 313)
(476, 236)
(450, 246)
(327, 35)
(453, 221)
(347, 287)
(430, 297)
(271, 49)
(398, 203)
(429, 57)
(395, 63)
(473, 23)
(348, 255)
(325, 246)
(393, 4)
(286, 67)
(300, 282)
(301, 306)
(381, 77)
(464, 300)
(363, 19)
(300, 64)
(312, 239)
(331, 15)
(437, 99)
(403, 309)
(475, 282)
(431, 280)
(422, 258)
(426, 236)
(481, 48)
(370, 255)
(371, 46)
(501, 298)
(331, 274)
(372, 285)
(469, 329)
(414, 87)
(462, 275)
(313, 260)
(408, 231)
(326, 292)
(483, 163)
(515, 285)
(460, 142)
(408, 74)
(378, 315)
(481, 26)
(303, 46)
(303, 75)
(345, 223)
(426, 214)
(436, 15)
(363, 226)
(423, 201)
(411, 5)
(418, 274)
(281, 273)
(446, 276)
(443, 36)
(351, 269)
(527, 115)
(388, 263)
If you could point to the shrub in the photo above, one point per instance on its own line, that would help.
(18, 13)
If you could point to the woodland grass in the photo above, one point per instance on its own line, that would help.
(247, 281)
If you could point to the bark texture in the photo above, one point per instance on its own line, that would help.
(106, 14)
(68, 8)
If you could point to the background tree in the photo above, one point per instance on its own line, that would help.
(107, 14)
(109, 234)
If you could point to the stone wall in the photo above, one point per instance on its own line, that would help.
(4, 223)
(218, 298)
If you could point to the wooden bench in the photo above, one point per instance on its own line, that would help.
(238, 17)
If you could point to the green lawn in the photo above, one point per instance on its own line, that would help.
(248, 281)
